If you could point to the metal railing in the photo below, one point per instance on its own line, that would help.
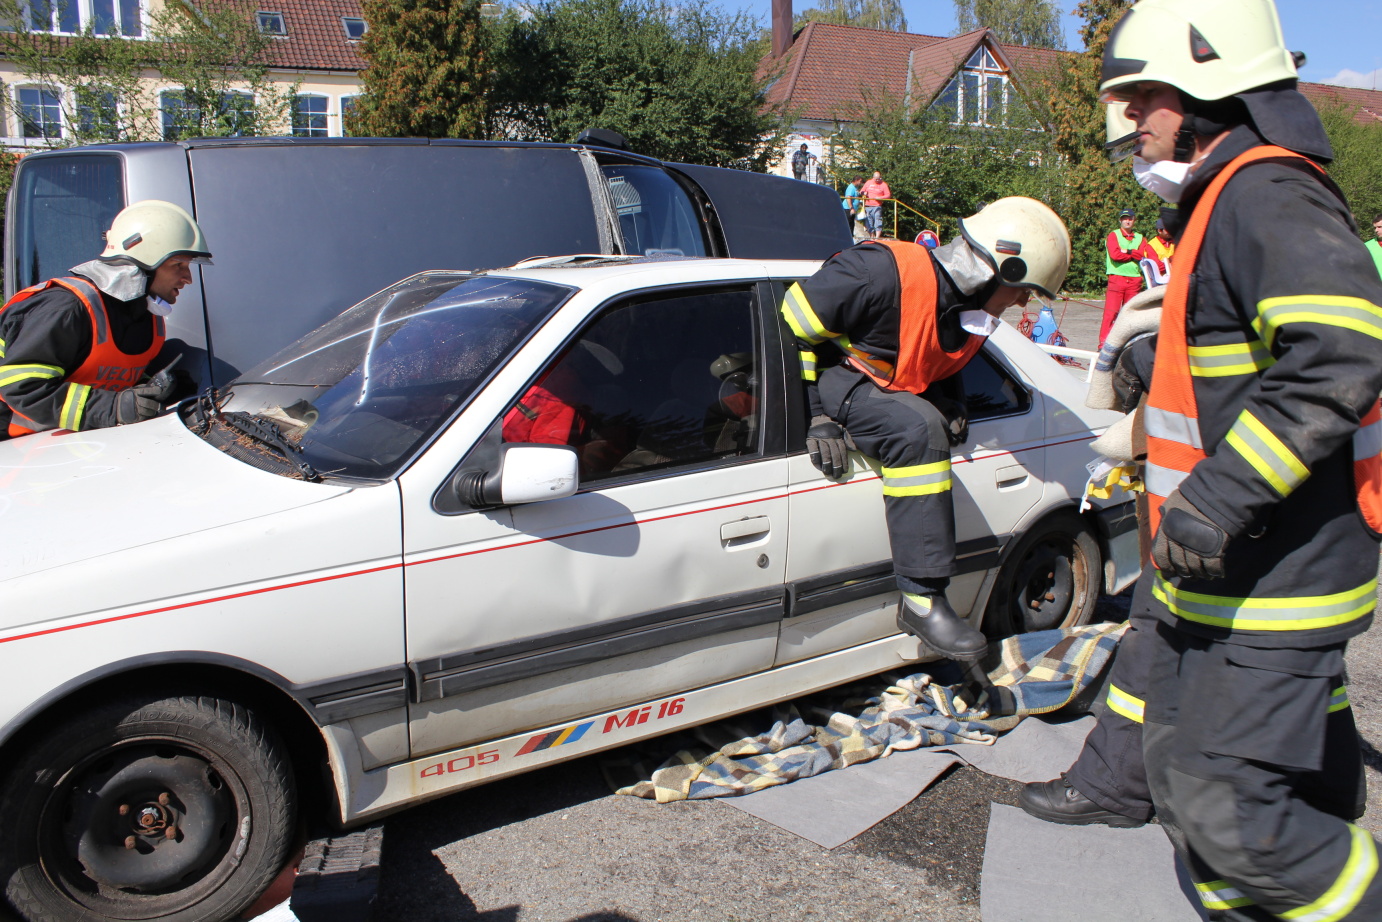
(896, 204)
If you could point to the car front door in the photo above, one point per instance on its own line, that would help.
(663, 573)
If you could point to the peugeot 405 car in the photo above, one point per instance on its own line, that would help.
(477, 524)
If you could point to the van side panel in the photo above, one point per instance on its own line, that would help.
(770, 217)
(310, 231)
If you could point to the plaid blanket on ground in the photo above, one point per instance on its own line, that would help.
(1030, 674)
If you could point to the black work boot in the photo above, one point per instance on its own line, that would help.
(931, 618)
(1057, 801)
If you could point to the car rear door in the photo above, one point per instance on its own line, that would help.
(842, 588)
(664, 573)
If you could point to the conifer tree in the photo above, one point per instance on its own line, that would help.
(426, 70)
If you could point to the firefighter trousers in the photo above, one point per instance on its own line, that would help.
(1110, 770)
(1248, 783)
(908, 438)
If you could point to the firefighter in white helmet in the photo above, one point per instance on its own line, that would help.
(74, 350)
(1263, 471)
(880, 326)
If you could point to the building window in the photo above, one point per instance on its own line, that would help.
(347, 111)
(40, 112)
(105, 17)
(309, 117)
(980, 94)
(355, 28)
(235, 115)
(271, 23)
(98, 114)
(180, 117)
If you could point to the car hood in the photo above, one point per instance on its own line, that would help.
(70, 496)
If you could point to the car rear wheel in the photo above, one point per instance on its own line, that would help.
(146, 807)
(1050, 579)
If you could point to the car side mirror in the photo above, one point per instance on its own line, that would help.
(527, 473)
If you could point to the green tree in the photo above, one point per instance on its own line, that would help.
(944, 169)
(1035, 23)
(1357, 166)
(679, 82)
(100, 85)
(426, 70)
(870, 14)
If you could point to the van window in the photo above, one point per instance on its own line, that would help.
(63, 207)
(655, 213)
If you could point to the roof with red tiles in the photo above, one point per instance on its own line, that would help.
(316, 38)
(832, 71)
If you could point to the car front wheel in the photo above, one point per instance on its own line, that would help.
(1051, 579)
(146, 807)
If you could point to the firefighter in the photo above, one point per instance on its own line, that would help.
(1263, 471)
(878, 325)
(75, 349)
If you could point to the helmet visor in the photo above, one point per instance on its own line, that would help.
(1120, 132)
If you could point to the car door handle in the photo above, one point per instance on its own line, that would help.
(745, 531)
(1012, 476)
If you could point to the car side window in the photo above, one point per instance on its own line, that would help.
(990, 390)
(655, 382)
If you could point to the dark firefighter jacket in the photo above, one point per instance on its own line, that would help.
(1286, 357)
(857, 293)
(53, 329)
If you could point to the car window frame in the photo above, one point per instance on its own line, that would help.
(772, 437)
(795, 404)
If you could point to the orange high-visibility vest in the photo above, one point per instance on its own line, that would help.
(920, 359)
(1174, 443)
(106, 367)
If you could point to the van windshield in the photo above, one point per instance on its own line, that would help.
(358, 396)
(63, 205)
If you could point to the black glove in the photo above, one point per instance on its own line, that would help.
(825, 443)
(143, 401)
(1188, 543)
(1132, 374)
(956, 417)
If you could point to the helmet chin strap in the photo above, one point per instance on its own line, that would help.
(1185, 135)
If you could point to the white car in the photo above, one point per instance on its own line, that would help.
(475, 525)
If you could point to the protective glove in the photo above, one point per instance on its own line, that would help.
(956, 418)
(143, 401)
(825, 444)
(1132, 373)
(1188, 543)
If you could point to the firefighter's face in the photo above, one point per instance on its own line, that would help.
(171, 277)
(1005, 297)
(1156, 110)
(1377, 228)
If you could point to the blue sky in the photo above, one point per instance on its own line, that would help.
(1342, 39)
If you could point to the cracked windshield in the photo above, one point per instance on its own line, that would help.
(359, 395)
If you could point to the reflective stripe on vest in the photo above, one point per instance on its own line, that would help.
(1302, 613)
(1338, 699)
(920, 359)
(106, 367)
(1174, 442)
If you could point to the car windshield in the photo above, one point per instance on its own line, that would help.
(360, 394)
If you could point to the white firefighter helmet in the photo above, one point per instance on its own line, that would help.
(1023, 240)
(1207, 49)
(147, 233)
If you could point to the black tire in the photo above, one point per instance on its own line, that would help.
(88, 807)
(1050, 579)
